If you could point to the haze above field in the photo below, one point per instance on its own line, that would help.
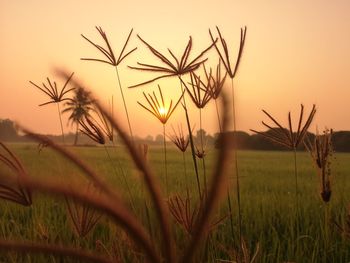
(296, 52)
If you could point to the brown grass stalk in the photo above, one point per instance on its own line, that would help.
(214, 195)
(116, 210)
(150, 181)
(11, 187)
(180, 65)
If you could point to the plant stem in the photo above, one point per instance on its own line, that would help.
(230, 210)
(296, 177)
(191, 140)
(187, 184)
(165, 162)
(296, 201)
(236, 168)
(59, 115)
(203, 160)
(326, 236)
(125, 108)
(123, 174)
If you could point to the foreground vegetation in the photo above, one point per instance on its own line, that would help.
(267, 205)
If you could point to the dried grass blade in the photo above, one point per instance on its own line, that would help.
(218, 181)
(150, 180)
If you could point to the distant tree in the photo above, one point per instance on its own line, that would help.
(199, 133)
(341, 141)
(7, 130)
(79, 106)
(149, 138)
(159, 138)
(241, 138)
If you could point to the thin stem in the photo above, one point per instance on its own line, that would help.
(326, 236)
(125, 108)
(191, 140)
(296, 177)
(236, 168)
(124, 177)
(59, 115)
(218, 115)
(185, 172)
(165, 162)
(296, 201)
(203, 161)
(230, 210)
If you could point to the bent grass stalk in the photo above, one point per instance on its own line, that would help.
(150, 182)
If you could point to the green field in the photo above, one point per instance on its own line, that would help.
(267, 198)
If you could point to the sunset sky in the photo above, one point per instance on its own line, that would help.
(296, 52)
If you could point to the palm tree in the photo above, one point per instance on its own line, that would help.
(79, 106)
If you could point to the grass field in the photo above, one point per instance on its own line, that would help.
(267, 199)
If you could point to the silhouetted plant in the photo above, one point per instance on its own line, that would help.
(182, 66)
(200, 95)
(321, 151)
(111, 59)
(83, 217)
(11, 187)
(55, 95)
(92, 130)
(232, 71)
(217, 82)
(186, 214)
(290, 139)
(162, 112)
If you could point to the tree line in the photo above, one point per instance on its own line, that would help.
(243, 140)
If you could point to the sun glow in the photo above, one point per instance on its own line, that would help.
(163, 111)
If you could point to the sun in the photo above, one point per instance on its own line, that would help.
(162, 111)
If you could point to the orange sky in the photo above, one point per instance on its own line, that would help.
(296, 52)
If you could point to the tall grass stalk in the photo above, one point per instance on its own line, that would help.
(296, 204)
(191, 140)
(165, 162)
(60, 117)
(218, 181)
(123, 175)
(124, 103)
(236, 166)
(202, 149)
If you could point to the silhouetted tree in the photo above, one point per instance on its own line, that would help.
(7, 131)
(79, 106)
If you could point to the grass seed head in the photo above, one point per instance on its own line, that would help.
(286, 136)
(157, 107)
(52, 91)
(181, 65)
(11, 188)
(108, 52)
